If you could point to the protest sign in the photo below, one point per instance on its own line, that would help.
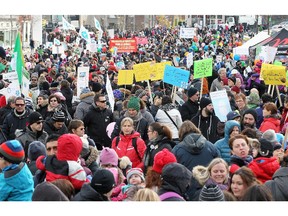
(124, 45)
(189, 60)
(141, 40)
(176, 76)
(125, 77)
(187, 32)
(273, 74)
(221, 104)
(203, 68)
(82, 79)
(142, 71)
(157, 70)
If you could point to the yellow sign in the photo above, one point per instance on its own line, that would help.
(157, 72)
(142, 71)
(125, 77)
(273, 74)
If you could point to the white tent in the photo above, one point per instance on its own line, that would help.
(244, 49)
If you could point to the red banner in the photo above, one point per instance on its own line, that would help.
(141, 40)
(124, 45)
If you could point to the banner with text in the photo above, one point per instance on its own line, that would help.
(187, 32)
(203, 68)
(176, 76)
(124, 45)
(141, 40)
(273, 74)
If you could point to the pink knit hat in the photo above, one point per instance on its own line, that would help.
(108, 156)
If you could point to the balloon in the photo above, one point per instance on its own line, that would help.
(202, 44)
(239, 43)
(111, 50)
(206, 47)
(236, 57)
(99, 49)
(277, 63)
(242, 63)
(110, 128)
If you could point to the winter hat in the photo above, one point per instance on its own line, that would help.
(118, 94)
(58, 116)
(115, 173)
(233, 79)
(35, 149)
(102, 181)
(96, 87)
(253, 100)
(108, 156)
(235, 89)
(35, 117)
(266, 148)
(234, 71)
(54, 84)
(60, 95)
(252, 112)
(46, 191)
(192, 91)
(161, 159)
(134, 103)
(270, 135)
(232, 115)
(211, 192)
(2, 53)
(204, 102)
(12, 151)
(85, 90)
(277, 146)
(140, 93)
(135, 171)
(85, 144)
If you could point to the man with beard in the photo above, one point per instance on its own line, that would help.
(249, 121)
(206, 121)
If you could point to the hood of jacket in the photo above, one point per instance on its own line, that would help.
(280, 177)
(127, 138)
(194, 143)
(229, 125)
(69, 147)
(87, 95)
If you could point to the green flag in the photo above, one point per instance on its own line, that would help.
(17, 62)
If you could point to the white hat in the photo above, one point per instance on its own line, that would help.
(234, 71)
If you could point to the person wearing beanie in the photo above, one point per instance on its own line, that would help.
(141, 93)
(35, 149)
(176, 179)
(190, 108)
(207, 121)
(96, 87)
(134, 104)
(211, 192)
(2, 53)
(271, 118)
(99, 189)
(264, 165)
(16, 180)
(233, 115)
(18, 119)
(56, 124)
(249, 120)
(65, 164)
(86, 100)
(96, 121)
(33, 132)
(231, 129)
(161, 159)
(108, 157)
(46, 191)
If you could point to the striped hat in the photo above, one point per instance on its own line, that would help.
(12, 151)
(211, 192)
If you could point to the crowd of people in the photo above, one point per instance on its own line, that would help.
(57, 147)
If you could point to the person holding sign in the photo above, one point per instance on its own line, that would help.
(190, 108)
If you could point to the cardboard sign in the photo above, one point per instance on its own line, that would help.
(176, 76)
(125, 77)
(221, 104)
(273, 74)
(142, 71)
(203, 68)
(157, 70)
(124, 45)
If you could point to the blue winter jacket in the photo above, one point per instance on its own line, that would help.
(16, 184)
(222, 145)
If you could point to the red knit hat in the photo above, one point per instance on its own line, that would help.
(235, 89)
(12, 151)
(162, 158)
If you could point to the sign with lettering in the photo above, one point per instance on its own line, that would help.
(124, 45)
(142, 71)
(125, 77)
(203, 68)
(221, 104)
(176, 76)
(273, 74)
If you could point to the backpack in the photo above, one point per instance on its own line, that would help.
(134, 144)
(167, 195)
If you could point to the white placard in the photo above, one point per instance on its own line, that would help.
(57, 49)
(82, 79)
(12, 90)
(187, 32)
(221, 104)
(10, 76)
(111, 33)
(110, 94)
(268, 53)
(189, 60)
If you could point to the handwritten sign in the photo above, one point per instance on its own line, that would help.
(189, 60)
(221, 104)
(187, 32)
(176, 76)
(157, 70)
(125, 77)
(142, 71)
(203, 68)
(273, 74)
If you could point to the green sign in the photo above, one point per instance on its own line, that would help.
(203, 68)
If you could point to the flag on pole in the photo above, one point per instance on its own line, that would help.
(57, 42)
(97, 24)
(84, 34)
(67, 25)
(17, 61)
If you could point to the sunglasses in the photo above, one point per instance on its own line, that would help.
(19, 105)
(39, 122)
(102, 101)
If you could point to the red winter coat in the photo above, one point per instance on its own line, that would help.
(125, 148)
(270, 123)
(264, 168)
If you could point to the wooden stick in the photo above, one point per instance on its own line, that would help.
(150, 93)
(272, 92)
(269, 89)
(278, 94)
(201, 89)
(174, 93)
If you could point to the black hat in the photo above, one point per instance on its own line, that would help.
(204, 102)
(96, 87)
(233, 79)
(252, 112)
(211, 192)
(36, 149)
(266, 148)
(35, 117)
(192, 91)
(103, 181)
(232, 115)
(2, 53)
(58, 116)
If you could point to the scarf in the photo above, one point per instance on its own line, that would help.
(167, 107)
(246, 160)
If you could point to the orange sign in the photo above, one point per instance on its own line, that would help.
(124, 45)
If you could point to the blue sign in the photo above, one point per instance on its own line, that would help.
(176, 76)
